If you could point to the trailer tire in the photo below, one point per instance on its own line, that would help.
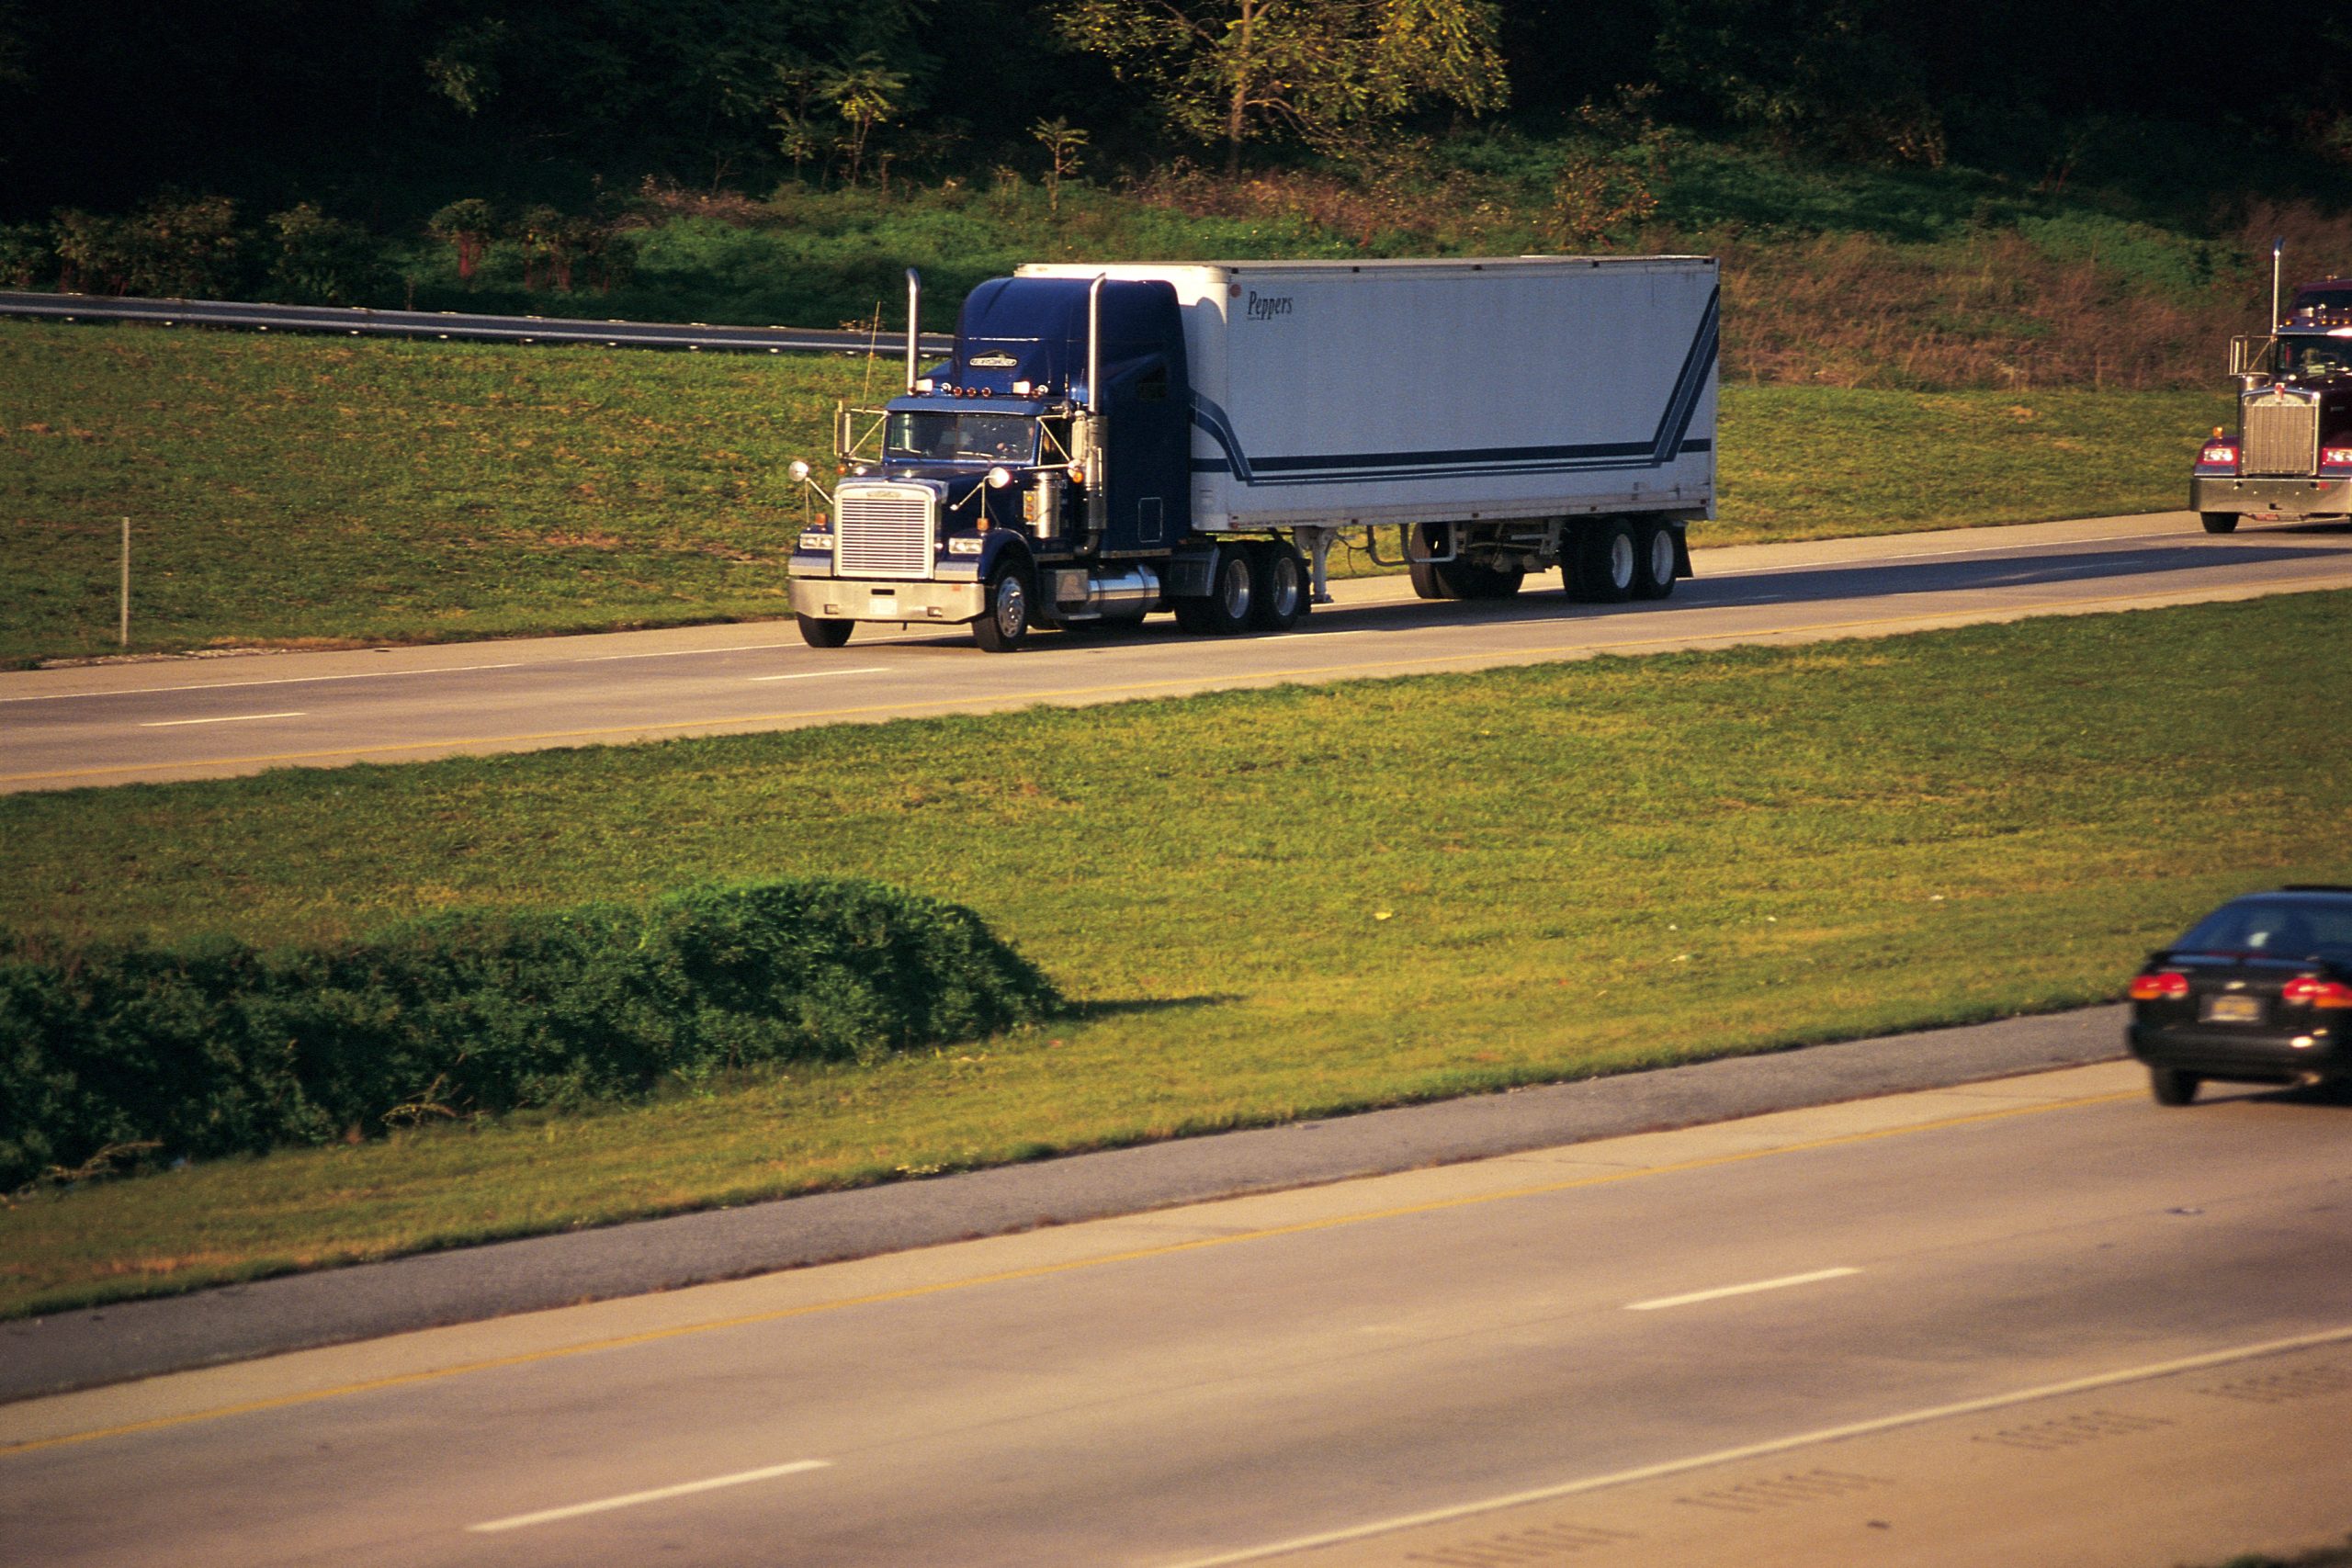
(2219, 521)
(1608, 562)
(1283, 594)
(1653, 552)
(1004, 625)
(820, 632)
(1430, 579)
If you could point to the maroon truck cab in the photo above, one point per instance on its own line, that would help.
(2291, 458)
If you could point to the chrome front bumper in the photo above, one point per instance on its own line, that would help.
(847, 599)
(2281, 497)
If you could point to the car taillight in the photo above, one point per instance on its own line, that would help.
(2334, 457)
(2170, 986)
(2308, 992)
(2218, 455)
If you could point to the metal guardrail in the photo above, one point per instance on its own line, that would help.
(456, 326)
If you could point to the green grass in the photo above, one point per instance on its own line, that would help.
(1267, 905)
(293, 491)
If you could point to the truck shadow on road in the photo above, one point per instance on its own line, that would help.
(1860, 584)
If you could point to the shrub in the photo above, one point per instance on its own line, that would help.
(219, 1048)
(28, 257)
(322, 260)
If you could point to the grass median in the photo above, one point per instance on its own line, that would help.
(319, 491)
(1267, 905)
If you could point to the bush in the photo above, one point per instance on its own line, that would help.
(322, 260)
(221, 1048)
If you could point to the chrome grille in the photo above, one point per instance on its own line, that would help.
(883, 532)
(2281, 436)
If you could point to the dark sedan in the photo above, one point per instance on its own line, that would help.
(2260, 991)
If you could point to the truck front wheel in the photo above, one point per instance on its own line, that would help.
(818, 632)
(1004, 625)
(2219, 521)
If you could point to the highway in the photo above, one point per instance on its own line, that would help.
(113, 722)
(2034, 1320)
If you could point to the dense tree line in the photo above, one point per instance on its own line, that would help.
(381, 111)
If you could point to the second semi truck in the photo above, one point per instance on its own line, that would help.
(1106, 442)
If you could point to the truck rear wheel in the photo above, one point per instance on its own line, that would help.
(1236, 590)
(1283, 598)
(2219, 521)
(818, 632)
(1653, 553)
(1004, 625)
(1606, 563)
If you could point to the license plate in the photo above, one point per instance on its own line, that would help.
(2232, 1009)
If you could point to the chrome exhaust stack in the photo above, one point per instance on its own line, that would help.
(914, 324)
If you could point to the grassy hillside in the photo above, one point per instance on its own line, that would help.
(1270, 904)
(290, 490)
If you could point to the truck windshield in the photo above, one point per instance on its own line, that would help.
(963, 437)
(2308, 356)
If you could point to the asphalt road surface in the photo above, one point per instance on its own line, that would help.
(2034, 1320)
(193, 718)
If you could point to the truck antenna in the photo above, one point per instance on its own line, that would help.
(873, 342)
(2277, 248)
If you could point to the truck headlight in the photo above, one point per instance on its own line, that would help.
(817, 539)
(964, 544)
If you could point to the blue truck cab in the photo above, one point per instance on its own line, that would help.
(1036, 478)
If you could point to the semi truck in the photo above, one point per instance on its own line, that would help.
(1105, 442)
(2290, 458)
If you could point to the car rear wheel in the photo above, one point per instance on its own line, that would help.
(2219, 521)
(2171, 1086)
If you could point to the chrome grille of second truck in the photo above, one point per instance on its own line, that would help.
(2281, 436)
(883, 533)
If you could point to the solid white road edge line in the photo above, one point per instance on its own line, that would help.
(1723, 1291)
(549, 1516)
(684, 652)
(224, 718)
(1779, 1445)
(812, 674)
(273, 681)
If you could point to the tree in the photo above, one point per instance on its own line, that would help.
(868, 93)
(1851, 74)
(1063, 143)
(469, 225)
(1324, 71)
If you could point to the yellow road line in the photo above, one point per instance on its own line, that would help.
(1227, 682)
(1038, 1271)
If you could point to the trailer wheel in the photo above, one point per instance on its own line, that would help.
(1472, 581)
(1654, 548)
(1430, 579)
(818, 632)
(1004, 625)
(1610, 563)
(1283, 598)
(2219, 521)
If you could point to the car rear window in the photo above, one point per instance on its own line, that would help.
(2288, 928)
